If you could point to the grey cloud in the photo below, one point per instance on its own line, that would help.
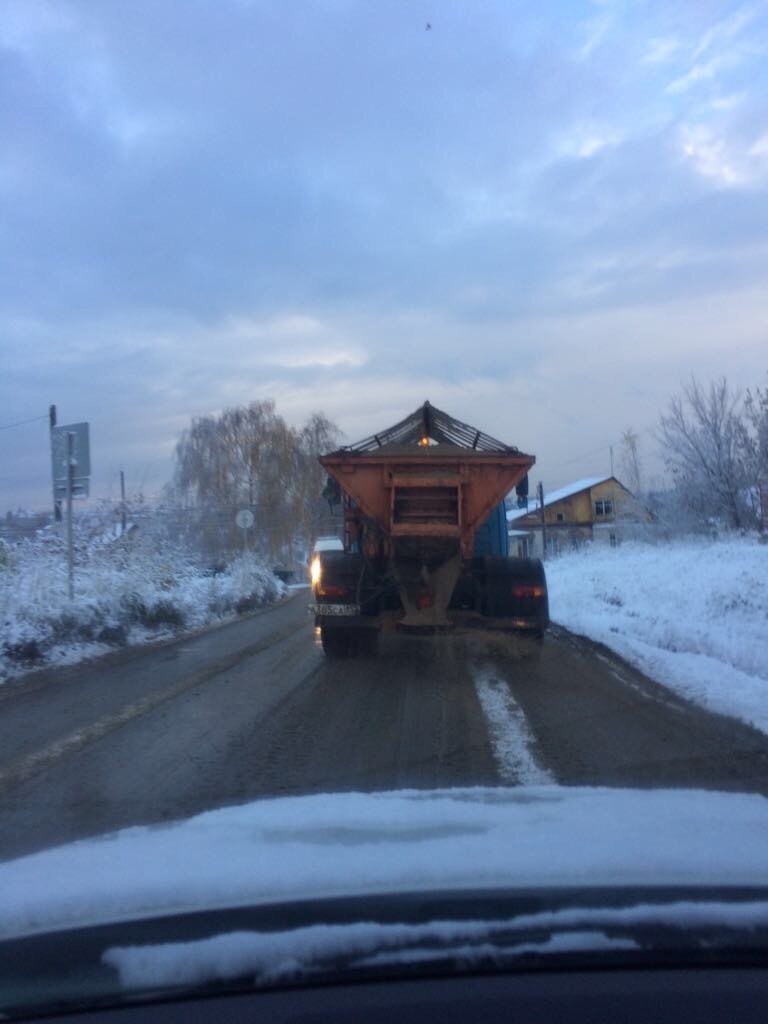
(436, 199)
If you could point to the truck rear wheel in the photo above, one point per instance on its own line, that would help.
(367, 642)
(335, 641)
(516, 588)
(339, 642)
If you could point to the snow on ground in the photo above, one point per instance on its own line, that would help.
(692, 614)
(316, 846)
(124, 594)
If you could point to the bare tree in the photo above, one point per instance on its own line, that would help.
(249, 457)
(705, 445)
(630, 461)
(318, 436)
(756, 413)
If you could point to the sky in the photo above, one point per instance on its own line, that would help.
(543, 217)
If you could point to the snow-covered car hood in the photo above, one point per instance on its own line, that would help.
(351, 843)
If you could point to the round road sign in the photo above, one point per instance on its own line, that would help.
(244, 519)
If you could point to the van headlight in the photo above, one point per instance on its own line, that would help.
(315, 571)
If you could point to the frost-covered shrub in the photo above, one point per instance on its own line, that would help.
(126, 591)
(5, 556)
(162, 613)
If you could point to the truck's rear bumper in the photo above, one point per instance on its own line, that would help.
(527, 623)
(457, 619)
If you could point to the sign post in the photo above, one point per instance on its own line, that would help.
(71, 470)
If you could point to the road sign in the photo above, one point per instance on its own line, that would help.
(71, 470)
(81, 459)
(244, 519)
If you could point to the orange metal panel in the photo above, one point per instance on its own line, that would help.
(426, 530)
(423, 480)
(369, 478)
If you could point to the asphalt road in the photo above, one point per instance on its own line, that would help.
(253, 709)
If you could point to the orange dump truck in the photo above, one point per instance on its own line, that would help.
(425, 536)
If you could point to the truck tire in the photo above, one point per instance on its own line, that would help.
(366, 642)
(335, 641)
(339, 642)
(500, 576)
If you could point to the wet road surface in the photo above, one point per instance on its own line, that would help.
(253, 709)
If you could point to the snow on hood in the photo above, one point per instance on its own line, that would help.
(353, 843)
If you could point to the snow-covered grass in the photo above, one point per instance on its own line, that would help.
(125, 593)
(693, 614)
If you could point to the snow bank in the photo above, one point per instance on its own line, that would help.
(124, 594)
(692, 614)
(352, 843)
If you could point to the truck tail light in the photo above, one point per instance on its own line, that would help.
(526, 590)
(332, 590)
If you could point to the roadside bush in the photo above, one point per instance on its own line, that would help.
(127, 592)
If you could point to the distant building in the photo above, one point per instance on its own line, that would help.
(598, 508)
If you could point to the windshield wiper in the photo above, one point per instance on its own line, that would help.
(382, 936)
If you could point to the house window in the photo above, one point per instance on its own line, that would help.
(560, 517)
(604, 507)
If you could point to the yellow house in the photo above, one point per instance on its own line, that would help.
(596, 508)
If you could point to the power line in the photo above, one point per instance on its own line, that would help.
(602, 448)
(20, 423)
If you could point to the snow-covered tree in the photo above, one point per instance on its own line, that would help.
(706, 447)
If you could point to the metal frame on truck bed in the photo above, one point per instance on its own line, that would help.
(414, 496)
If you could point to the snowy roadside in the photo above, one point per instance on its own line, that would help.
(128, 598)
(691, 614)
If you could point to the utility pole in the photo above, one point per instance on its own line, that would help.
(543, 522)
(122, 502)
(56, 501)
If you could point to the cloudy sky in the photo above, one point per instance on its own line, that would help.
(541, 216)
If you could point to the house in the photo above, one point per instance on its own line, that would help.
(598, 508)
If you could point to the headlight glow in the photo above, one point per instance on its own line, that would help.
(314, 571)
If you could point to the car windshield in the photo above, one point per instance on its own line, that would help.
(384, 478)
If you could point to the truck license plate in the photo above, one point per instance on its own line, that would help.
(335, 609)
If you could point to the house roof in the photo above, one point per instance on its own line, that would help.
(554, 496)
